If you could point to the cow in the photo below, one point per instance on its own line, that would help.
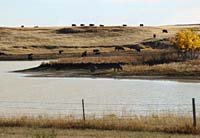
(96, 50)
(117, 67)
(92, 68)
(136, 47)
(82, 25)
(2, 54)
(124, 25)
(141, 25)
(91, 24)
(30, 56)
(118, 48)
(165, 31)
(154, 36)
(101, 25)
(22, 26)
(73, 25)
(84, 54)
(61, 51)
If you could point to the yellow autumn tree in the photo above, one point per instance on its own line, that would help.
(187, 42)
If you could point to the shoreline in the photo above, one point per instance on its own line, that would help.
(186, 79)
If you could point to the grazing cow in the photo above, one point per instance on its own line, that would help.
(165, 31)
(73, 25)
(22, 26)
(101, 25)
(136, 47)
(154, 36)
(91, 24)
(61, 51)
(96, 50)
(84, 54)
(141, 25)
(93, 68)
(2, 53)
(30, 56)
(117, 67)
(124, 25)
(82, 25)
(118, 48)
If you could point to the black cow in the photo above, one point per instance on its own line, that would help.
(165, 31)
(117, 67)
(82, 25)
(141, 25)
(22, 26)
(93, 68)
(61, 51)
(96, 50)
(154, 36)
(118, 48)
(101, 25)
(84, 54)
(30, 56)
(124, 25)
(2, 53)
(136, 47)
(73, 25)
(91, 24)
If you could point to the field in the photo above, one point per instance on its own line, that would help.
(71, 133)
(45, 43)
(156, 58)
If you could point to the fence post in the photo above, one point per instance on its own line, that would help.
(194, 113)
(83, 107)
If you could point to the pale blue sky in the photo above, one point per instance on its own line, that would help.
(108, 12)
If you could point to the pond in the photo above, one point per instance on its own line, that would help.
(62, 96)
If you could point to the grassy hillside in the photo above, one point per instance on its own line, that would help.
(78, 39)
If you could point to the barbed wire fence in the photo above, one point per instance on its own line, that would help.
(86, 111)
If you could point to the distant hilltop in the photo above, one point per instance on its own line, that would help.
(187, 24)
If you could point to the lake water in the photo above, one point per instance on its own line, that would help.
(34, 96)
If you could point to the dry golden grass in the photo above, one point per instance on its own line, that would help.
(155, 123)
(97, 60)
(188, 68)
(25, 38)
(23, 132)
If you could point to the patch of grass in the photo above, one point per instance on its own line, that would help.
(44, 134)
(155, 123)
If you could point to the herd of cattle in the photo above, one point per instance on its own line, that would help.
(94, 67)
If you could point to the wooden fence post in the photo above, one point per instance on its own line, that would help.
(83, 107)
(194, 113)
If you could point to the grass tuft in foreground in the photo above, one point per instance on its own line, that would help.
(153, 123)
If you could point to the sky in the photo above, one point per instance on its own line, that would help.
(107, 12)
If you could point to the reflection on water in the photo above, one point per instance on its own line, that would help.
(20, 94)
